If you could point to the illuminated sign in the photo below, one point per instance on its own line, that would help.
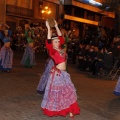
(92, 2)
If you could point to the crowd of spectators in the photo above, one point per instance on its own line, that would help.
(95, 51)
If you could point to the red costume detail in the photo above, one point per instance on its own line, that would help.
(54, 54)
(73, 109)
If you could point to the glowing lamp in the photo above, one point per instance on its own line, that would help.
(43, 11)
(46, 7)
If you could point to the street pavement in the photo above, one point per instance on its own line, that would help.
(19, 101)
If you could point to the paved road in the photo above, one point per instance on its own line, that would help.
(19, 101)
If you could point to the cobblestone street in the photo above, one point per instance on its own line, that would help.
(19, 101)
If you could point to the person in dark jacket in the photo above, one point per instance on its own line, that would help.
(108, 60)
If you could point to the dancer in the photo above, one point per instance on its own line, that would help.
(6, 53)
(60, 95)
(44, 78)
(28, 59)
(117, 88)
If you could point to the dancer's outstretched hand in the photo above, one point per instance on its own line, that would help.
(47, 24)
(56, 24)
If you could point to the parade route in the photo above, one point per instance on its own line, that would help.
(19, 100)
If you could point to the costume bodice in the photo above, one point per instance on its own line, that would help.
(30, 40)
(6, 39)
(57, 56)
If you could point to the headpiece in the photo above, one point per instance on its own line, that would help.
(54, 36)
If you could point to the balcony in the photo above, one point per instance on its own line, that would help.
(19, 11)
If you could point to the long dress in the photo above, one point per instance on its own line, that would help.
(60, 94)
(117, 88)
(44, 78)
(28, 59)
(6, 56)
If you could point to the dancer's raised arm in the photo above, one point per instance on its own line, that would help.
(49, 31)
(57, 29)
(59, 33)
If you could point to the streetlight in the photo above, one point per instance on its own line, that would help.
(46, 10)
(46, 7)
(43, 11)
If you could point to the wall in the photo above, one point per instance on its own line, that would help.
(108, 22)
(2, 11)
(20, 3)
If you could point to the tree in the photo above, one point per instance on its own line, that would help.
(113, 6)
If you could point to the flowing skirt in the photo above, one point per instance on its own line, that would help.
(6, 58)
(60, 95)
(44, 78)
(117, 88)
(28, 59)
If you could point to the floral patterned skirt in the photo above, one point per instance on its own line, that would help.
(6, 58)
(44, 78)
(117, 88)
(60, 95)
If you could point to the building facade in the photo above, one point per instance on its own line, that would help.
(20, 12)
(69, 13)
(80, 15)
